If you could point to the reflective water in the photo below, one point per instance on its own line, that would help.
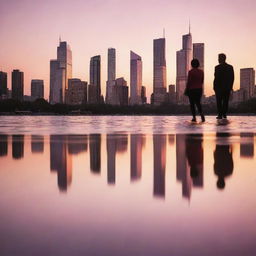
(119, 124)
(128, 194)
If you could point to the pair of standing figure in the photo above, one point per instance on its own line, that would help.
(222, 85)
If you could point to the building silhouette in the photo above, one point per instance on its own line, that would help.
(17, 146)
(37, 89)
(60, 72)
(247, 145)
(77, 92)
(77, 144)
(247, 82)
(94, 89)
(111, 75)
(159, 72)
(183, 60)
(137, 142)
(159, 145)
(172, 94)
(37, 144)
(61, 161)
(3, 145)
(135, 79)
(17, 85)
(3, 85)
(95, 152)
(143, 95)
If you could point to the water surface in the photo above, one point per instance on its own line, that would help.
(135, 185)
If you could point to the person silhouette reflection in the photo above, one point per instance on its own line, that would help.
(223, 164)
(194, 154)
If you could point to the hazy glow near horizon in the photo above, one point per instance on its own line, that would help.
(30, 32)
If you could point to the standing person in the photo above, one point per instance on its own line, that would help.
(194, 89)
(223, 85)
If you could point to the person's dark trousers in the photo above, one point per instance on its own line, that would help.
(222, 98)
(194, 96)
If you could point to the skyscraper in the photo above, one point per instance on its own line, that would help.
(159, 76)
(198, 53)
(3, 84)
(17, 85)
(247, 82)
(37, 89)
(184, 57)
(94, 96)
(60, 72)
(64, 56)
(135, 78)
(57, 77)
(111, 64)
(111, 75)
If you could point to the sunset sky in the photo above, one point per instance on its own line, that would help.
(30, 30)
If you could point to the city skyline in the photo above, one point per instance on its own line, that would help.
(85, 39)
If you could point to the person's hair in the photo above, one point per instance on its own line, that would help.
(222, 57)
(195, 63)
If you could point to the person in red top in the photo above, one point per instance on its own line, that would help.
(194, 89)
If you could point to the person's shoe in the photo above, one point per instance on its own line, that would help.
(225, 117)
(203, 118)
(219, 117)
(193, 119)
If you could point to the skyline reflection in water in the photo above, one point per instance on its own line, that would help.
(189, 149)
(85, 184)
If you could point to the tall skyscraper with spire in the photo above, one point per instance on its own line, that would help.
(60, 72)
(183, 60)
(111, 75)
(135, 78)
(159, 76)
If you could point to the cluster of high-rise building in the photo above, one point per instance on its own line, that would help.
(64, 88)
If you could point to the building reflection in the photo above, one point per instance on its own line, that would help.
(137, 142)
(60, 160)
(223, 159)
(182, 171)
(17, 146)
(189, 162)
(115, 144)
(159, 145)
(37, 144)
(77, 144)
(171, 139)
(3, 145)
(95, 152)
(247, 145)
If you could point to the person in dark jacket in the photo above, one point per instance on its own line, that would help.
(194, 89)
(223, 85)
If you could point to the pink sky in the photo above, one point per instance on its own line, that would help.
(30, 32)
